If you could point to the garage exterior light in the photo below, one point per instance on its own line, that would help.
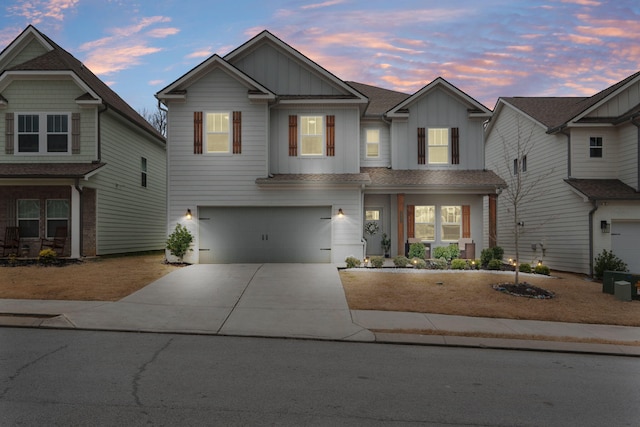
(340, 212)
(188, 215)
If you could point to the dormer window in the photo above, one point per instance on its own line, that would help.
(42, 133)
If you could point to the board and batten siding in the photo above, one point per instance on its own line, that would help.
(620, 104)
(130, 217)
(553, 214)
(384, 149)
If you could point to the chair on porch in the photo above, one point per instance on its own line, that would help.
(57, 243)
(11, 243)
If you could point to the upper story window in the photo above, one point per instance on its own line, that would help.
(311, 135)
(595, 147)
(143, 171)
(217, 133)
(373, 142)
(520, 166)
(43, 133)
(425, 222)
(438, 142)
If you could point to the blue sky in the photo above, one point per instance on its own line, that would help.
(488, 48)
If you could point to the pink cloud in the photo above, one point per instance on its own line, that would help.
(586, 40)
(528, 48)
(163, 32)
(110, 60)
(203, 53)
(583, 2)
(324, 4)
(36, 11)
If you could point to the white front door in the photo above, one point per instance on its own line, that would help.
(373, 221)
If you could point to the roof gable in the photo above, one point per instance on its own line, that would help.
(29, 44)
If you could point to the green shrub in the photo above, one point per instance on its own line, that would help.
(476, 264)
(498, 252)
(352, 262)
(459, 264)
(47, 256)
(179, 241)
(417, 250)
(542, 269)
(447, 252)
(377, 261)
(494, 264)
(488, 254)
(525, 268)
(419, 263)
(438, 264)
(401, 261)
(607, 261)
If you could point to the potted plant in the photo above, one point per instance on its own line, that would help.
(386, 244)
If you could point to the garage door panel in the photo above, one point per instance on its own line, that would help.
(625, 236)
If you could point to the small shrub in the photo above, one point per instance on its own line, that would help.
(417, 250)
(438, 264)
(352, 262)
(459, 264)
(377, 261)
(419, 263)
(179, 241)
(542, 269)
(401, 261)
(525, 268)
(447, 252)
(440, 252)
(607, 261)
(47, 256)
(488, 254)
(494, 264)
(475, 264)
(498, 252)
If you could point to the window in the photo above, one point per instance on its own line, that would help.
(373, 142)
(217, 133)
(57, 216)
(524, 163)
(520, 166)
(143, 171)
(451, 222)
(438, 145)
(33, 137)
(372, 215)
(595, 147)
(515, 166)
(425, 222)
(311, 135)
(29, 217)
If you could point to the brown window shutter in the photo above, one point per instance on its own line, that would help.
(237, 132)
(466, 221)
(455, 146)
(331, 135)
(493, 220)
(293, 135)
(75, 133)
(411, 221)
(422, 158)
(197, 132)
(8, 131)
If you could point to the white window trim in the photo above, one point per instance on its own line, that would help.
(323, 135)
(144, 167)
(42, 133)
(601, 148)
(448, 146)
(19, 218)
(47, 218)
(443, 223)
(229, 134)
(434, 223)
(367, 143)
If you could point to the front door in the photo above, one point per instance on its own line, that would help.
(373, 230)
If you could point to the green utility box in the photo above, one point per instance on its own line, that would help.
(611, 277)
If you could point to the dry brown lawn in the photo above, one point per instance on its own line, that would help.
(576, 300)
(99, 279)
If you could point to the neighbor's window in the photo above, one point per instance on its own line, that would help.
(373, 142)
(311, 135)
(451, 222)
(523, 166)
(520, 166)
(143, 171)
(438, 145)
(43, 133)
(425, 222)
(217, 133)
(29, 217)
(57, 215)
(595, 147)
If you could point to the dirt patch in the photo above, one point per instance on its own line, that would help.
(526, 290)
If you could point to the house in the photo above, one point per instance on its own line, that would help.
(272, 158)
(584, 157)
(75, 158)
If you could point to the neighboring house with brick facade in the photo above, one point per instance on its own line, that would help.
(584, 154)
(278, 160)
(75, 157)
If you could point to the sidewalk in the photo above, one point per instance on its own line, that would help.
(296, 301)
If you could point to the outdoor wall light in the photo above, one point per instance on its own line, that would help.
(189, 216)
(340, 212)
(605, 226)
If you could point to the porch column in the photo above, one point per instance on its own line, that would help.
(75, 223)
(493, 220)
(400, 224)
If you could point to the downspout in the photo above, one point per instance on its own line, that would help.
(568, 135)
(636, 124)
(81, 219)
(591, 212)
(99, 148)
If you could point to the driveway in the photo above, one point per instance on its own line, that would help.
(283, 300)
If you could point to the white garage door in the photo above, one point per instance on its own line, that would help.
(265, 234)
(625, 243)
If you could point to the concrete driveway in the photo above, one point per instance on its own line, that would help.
(283, 300)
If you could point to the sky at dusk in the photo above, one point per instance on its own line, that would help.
(487, 48)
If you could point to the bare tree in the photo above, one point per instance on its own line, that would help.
(157, 119)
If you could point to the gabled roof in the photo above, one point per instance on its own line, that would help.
(59, 60)
(475, 108)
(603, 189)
(177, 89)
(380, 100)
(48, 170)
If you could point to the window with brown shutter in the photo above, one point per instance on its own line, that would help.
(466, 221)
(421, 147)
(8, 131)
(411, 221)
(455, 146)
(331, 136)
(237, 132)
(293, 135)
(197, 132)
(75, 133)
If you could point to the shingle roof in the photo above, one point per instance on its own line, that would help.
(320, 178)
(604, 189)
(434, 178)
(380, 100)
(59, 59)
(47, 170)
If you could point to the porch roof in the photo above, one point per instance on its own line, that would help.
(315, 178)
(604, 189)
(48, 170)
(435, 179)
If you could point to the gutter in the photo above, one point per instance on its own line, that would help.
(99, 148)
(636, 124)
(568, 135)
(81, 219)
(591, 212)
